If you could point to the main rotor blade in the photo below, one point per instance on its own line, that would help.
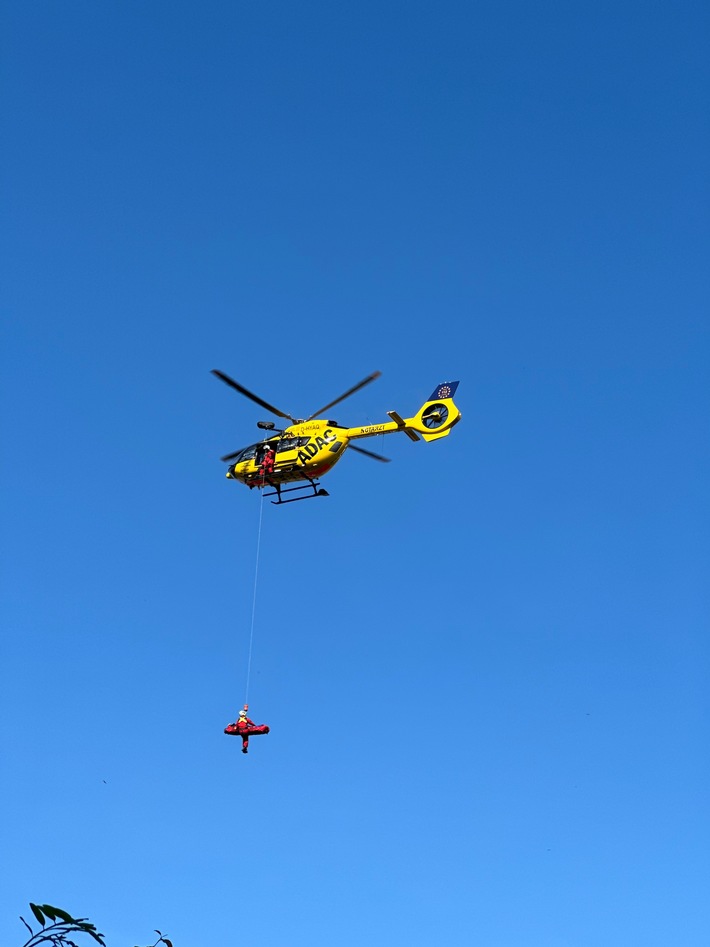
(360, 384)
(369, 453)
(231, 456)
(255, 398)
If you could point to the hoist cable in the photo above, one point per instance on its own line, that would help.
(253, 601)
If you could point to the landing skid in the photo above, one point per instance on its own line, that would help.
(318, 491)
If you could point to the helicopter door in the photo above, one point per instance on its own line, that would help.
(287, 444)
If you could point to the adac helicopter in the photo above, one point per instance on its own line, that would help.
(309, 447)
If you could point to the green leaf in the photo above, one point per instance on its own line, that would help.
(49, 911)
(37, 913)
(169, 943)
(27, 925)
(64, 915)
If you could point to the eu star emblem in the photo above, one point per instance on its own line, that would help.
(446, 389)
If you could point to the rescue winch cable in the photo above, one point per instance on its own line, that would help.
(253, 600)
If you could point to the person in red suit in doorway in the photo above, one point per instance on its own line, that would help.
(267, 462)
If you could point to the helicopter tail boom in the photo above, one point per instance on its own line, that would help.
(434, 419)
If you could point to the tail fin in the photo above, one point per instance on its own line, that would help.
(438, 414)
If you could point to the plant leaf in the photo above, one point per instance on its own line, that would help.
(37, 913)
(26, 925)
(64, 915)
(49, 911)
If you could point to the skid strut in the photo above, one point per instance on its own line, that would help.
(318, 491)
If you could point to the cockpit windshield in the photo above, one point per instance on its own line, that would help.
(246, 454)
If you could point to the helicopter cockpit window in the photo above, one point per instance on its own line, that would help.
(246, 454)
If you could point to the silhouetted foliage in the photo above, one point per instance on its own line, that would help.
(58, 928)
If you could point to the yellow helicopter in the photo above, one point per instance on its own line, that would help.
(309, 447)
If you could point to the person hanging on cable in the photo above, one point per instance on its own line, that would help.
(243, 725)
(245, 728)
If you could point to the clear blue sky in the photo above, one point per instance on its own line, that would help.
(484, 665)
